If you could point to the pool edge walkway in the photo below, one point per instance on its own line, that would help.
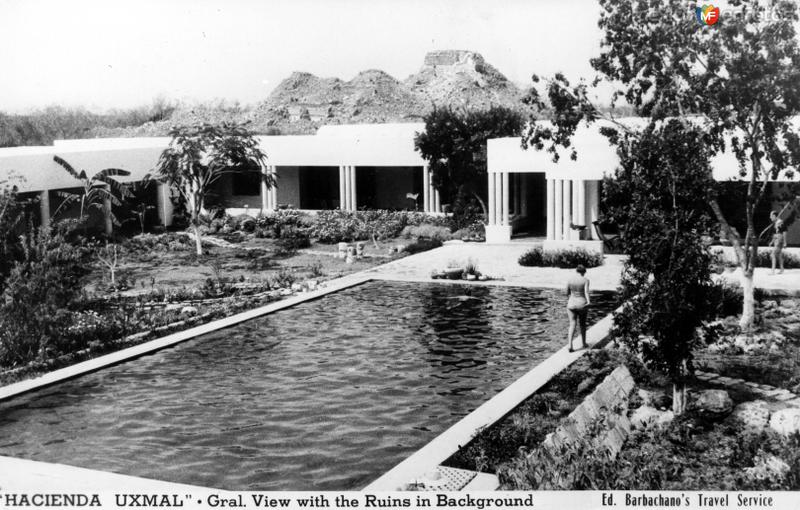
(20, 475)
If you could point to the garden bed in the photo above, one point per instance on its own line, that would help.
(770, 355)
(696, 451)
(160, 285)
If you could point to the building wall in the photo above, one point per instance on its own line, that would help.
(288, 185)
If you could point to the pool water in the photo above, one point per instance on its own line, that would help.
(326, 395)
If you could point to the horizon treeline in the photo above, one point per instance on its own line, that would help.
(42, 126)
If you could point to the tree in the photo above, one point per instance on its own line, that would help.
(101, 191)
(454, 144)
(660, 193)
(198, 156)
(738, 80)
(12, 223)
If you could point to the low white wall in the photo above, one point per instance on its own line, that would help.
(498, 234)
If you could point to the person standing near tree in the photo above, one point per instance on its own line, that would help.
(778, 241)
(577, 303)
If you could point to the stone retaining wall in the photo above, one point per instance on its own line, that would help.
(608, 402)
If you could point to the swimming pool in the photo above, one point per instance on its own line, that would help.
(326, 395)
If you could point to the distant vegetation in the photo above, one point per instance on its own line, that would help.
(41, 127)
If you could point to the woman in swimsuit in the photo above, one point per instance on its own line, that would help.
(577, 302)
(778, 241)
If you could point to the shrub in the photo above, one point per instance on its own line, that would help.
(421, 245)
(415, 218)
(474, 232)
(271, 225)
(347, 226)
(427, 231)
(292, 239)
(790, 260)
(566, 259)
(37, 292)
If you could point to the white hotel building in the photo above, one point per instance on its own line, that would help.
(364, 166)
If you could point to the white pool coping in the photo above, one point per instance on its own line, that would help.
(21, 475)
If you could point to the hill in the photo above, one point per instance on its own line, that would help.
(302, 102)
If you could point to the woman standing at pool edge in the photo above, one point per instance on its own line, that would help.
(778, 241)
(577, 302)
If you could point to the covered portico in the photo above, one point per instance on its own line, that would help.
(571, 199)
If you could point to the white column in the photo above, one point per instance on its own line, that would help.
(426, 192)
(492, 200)
(573, 213)
(582, 205)
(44, 208)
(348, 189)
(593, 204)
(342, 191)
(566, 213)
(550, 212)
(506, 199)
(273, 191)
(264, 189)
(558, 218)
(353, 191)
(498, 199)
(165, 207)
(437, 203)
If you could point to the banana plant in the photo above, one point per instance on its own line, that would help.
(100, 191)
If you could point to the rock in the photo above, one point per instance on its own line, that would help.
(656, 399)
(713, 403)
(767, 467)
(785, 421)
(312, 284)
(172, 307)
(189, 310)
(286, 292)
(753, 415)
(584, 385)
(646, 417)
(741, 341)
(754, 348)
(296, 287)
(718, 347)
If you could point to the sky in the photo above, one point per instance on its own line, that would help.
(123, 53)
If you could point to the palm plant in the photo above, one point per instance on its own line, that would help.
(100, 191)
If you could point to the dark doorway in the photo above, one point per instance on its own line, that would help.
(319, 187)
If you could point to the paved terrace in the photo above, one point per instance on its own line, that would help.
(497, 261)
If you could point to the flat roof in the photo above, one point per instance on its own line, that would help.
(33, 169)
(596, 157)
